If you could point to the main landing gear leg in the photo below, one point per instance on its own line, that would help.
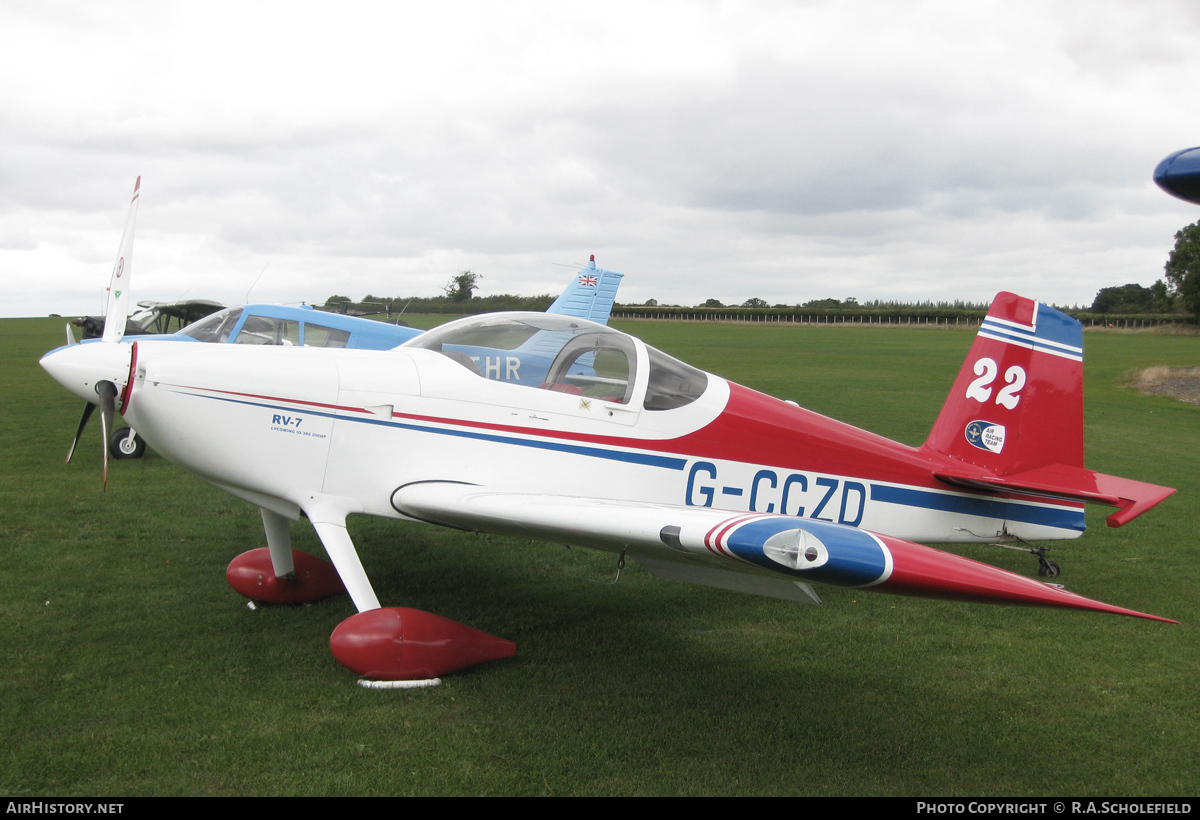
(279, 574)
(387, 644)
(279, 542)
(394, 643)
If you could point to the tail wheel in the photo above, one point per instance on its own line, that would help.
(125, 443)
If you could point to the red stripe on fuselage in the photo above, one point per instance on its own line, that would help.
(754, 428)
(279, 399)
(757, 429)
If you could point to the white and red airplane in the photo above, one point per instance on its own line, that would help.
(559, 428)
(604, 441)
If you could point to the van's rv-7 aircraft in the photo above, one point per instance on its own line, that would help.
(602, 441)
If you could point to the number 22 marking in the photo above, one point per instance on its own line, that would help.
(1008, 396)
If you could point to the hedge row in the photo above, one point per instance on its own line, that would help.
(920, 316)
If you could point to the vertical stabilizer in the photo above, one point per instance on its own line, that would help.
(1014, 419)
(1017, 403)
(590, 295)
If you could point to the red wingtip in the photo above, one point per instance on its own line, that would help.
(929, 573)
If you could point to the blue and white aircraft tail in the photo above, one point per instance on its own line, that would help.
(591, 295)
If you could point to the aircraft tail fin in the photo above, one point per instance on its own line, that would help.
(590, 295)
(117, 308)
(1013, 421)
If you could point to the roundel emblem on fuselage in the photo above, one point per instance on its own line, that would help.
(985, 435)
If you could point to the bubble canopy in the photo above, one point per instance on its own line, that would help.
(566, 355)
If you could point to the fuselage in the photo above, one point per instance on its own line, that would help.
(294, 424)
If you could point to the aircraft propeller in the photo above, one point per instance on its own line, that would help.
(88, 409)
(114, 331)
(106, 391)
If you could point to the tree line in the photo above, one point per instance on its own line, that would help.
(1177, 293)
(459, 297)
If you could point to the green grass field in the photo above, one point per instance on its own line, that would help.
(129, 667)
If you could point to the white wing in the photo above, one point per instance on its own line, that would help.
(679, 543)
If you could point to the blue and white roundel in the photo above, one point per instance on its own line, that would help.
(985, 435)
(837, 554)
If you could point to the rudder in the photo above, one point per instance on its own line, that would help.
(1017, 403)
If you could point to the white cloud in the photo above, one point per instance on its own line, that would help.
(780, 150)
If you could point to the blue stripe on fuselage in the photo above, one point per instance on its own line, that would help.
(1070, 519)
(1004, 509)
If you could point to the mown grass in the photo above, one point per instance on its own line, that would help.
(130, 667)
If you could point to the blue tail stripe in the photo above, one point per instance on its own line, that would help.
(1003, 509)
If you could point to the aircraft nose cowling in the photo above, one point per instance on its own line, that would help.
(79, 368)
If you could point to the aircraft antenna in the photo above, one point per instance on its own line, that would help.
(255, 282)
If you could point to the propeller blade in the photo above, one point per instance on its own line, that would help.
(108, 408)
(88, 409)
(118, 286)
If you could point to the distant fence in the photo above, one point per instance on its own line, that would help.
(1134, 321)
(932, 317)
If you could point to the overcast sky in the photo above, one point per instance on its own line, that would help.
(786, 151)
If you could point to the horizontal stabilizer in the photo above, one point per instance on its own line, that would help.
(1074, 483)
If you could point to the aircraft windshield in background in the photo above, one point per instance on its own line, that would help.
(154, 318)
(590, 295)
